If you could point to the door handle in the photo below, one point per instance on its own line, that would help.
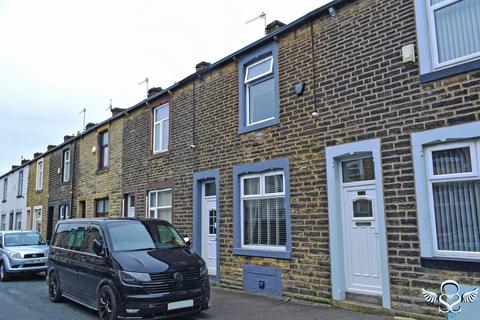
(83, 259)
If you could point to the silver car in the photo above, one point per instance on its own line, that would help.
(22, 252)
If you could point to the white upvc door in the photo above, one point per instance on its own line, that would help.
(362, 249)
(130, 206)
(209, 231)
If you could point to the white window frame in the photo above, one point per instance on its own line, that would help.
(66, 165)
(433, 36)
(38, 213)
(5, 189)
(3, 222)
(65, 212)
(39, 177)
(159, 207)
(161, 124)
(261, 195)
(20, 183)
(475, 154)
(18, 215)
(248, 83)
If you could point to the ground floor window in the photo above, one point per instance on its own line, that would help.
(160, 204)
(3, 222)
(18, 221)
(64, 212)
(102, 207)
(263, 210)
(454, 195)
(38, 220)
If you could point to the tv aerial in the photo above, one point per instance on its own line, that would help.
(263, 16)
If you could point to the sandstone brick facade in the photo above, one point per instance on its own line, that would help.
(91, 183)
(356, 81)
(38, 199)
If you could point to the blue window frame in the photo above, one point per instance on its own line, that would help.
(447, 185)
(258, 87)
(448, 37)
(263, 186)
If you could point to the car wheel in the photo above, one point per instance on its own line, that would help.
(53, 288)
(107, 303)
(4, 276)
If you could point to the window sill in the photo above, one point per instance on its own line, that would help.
(450, 71)
(287, 255)
(455, 264)
(18, 197)
(39, 191)
(258, 126)
(159, 155)
(100, 171)
(3, 201)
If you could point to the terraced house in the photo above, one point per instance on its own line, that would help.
(61, 177)
(334, 160)
(13, 192)
(98, 169)
(37, 192)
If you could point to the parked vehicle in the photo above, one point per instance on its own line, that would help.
(127, 269)
(22, 252)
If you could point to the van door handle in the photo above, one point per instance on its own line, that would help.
(83, 259)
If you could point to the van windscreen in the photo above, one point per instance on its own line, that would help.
(143, 235)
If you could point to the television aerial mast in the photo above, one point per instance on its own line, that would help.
(263, 16)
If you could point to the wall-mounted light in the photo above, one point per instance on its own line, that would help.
(315, 114)
(332, 11)
(299, 87)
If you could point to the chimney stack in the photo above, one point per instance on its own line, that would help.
(89, 125)
(273, 26)
(201, 65)
(25, 161)
(67, 137)
(15, 167)
(153, 91)
(116, 111)
(37, 154)
(51, 146)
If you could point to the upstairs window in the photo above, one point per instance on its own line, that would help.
(66, 165)
(39, 180)
(5, 189)
(259, 107)
(454, 30)
(20, 183)
(103, 147)
(161, 128)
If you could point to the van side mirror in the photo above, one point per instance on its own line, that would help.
(187, 241)
(97, 247)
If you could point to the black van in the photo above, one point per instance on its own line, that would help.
(126, 269)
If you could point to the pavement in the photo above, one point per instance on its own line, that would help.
(25, 297)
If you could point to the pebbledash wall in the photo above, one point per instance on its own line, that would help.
(367, 100)
(91, 183)
(13, 203)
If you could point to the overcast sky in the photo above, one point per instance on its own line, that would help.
(57, 57)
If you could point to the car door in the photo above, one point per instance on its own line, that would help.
(72, 256)
(61, 256)
(93, 268)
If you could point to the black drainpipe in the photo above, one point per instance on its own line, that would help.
(72, 183)
(314, 70)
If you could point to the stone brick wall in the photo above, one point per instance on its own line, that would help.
(60, 191)
(89, 183)
(38, 198)
(356, 81)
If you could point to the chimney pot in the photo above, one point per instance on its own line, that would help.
(201, 65)
(273, 26)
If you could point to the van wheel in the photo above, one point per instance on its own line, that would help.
(53, 288)
(4, 276)
(107, 303)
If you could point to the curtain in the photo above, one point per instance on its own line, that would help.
(458, 29)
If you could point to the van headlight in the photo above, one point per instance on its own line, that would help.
(203, 271)
(134, 277)
(14, 255)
